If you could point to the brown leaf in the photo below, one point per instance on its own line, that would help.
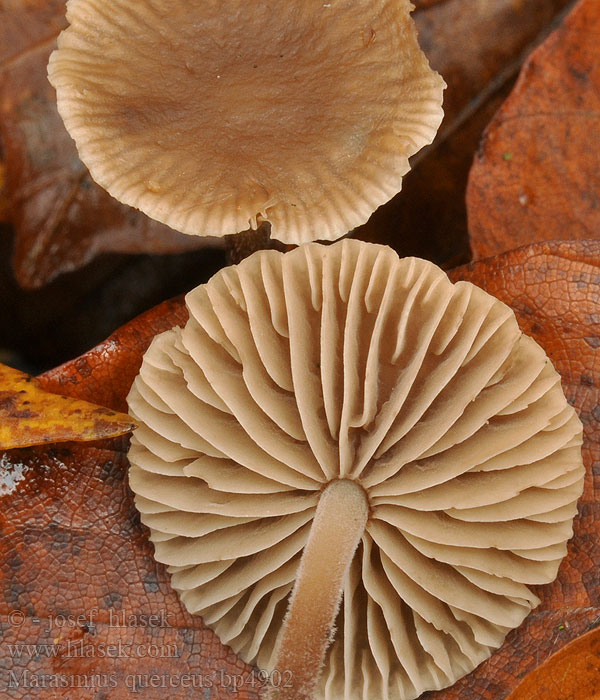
(473, 44)
(105, 373)
(42, 328)
(429, 218)
(72, 543)
(420, 4)
(3, 198)
(31, 416)
(79, 577)
(570, 674)
(535, 177)
(62, 218)
(102, 606)
(478, 48)
(28, 25)
(554, 289)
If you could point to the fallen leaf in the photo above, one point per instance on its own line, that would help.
(28, 25)
(105, 373)
(554, 289)
(478, 48)
(473, 44)
(71, 517)
(535, 176)
(42, 328)
(3, 198)
(102, 617)
(428, 218)
(572, 673)
(31, 416)
(61, 217)
(420, 4)
(64, 220)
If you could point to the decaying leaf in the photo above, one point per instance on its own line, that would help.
(45, 327)
(473, 44)
(110, 622)
(31, 416)
(419, 4)
(570, 674)
(536, 175)
(28, 25)
(62, 218)
(3, 200)
(477, 47)
(105, 570)
(104, 374)
(554, 289)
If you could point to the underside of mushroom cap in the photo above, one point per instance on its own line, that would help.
(345, 363)
(211, 115)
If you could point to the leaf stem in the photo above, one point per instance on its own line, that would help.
(308, 629)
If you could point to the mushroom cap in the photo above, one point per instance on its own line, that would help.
(345, 362)
(211, 115)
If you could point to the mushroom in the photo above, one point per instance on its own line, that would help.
(354, 469)
(214, 115)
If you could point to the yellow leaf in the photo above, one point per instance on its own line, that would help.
(31, 416)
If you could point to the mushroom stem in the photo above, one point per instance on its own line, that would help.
(241, 245)
(309, 625)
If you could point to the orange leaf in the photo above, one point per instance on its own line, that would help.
(573, 673)
(31, 416)
(102, 612)
(554, 289)
(105, 373)
(477, 47)
(71, 518)
(535, 177)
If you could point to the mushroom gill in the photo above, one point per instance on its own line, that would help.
(337, 424)
(213, 115)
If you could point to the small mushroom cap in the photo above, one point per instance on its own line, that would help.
(211, 115)
(344, 362)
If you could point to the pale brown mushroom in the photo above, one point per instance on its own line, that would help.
(335, 424)
(213, 115)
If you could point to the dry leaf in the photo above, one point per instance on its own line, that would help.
(420, 4)
(572, 673)
(478, 48)
(94, 554)
(28, 25)
(63, 220)
(536, 175)
(110, 623)
(3, 199)
(31, 416)
(105, 373)
(45, 327)
(554, 289)
(61, 217)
